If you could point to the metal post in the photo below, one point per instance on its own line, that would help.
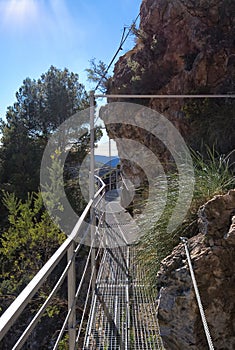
(92, 177)
(202, 313)
(110, 167)
(92, 145)
(71, 298)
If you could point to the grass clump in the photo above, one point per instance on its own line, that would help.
(213, 176)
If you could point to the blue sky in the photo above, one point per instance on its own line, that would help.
(35, 34)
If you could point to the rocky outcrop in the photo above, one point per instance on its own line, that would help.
(182, 47)
(212, 252)
(187, 47)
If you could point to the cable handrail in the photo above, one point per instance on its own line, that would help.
(197, 294)
(39, 314)
(127, 295)
(18, 305)
(12, 313)
(229, 95)
(75, 299)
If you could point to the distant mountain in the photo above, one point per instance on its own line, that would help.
(104, 160)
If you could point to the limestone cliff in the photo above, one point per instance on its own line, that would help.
(188, 47)
(212, 252)
(184, 47)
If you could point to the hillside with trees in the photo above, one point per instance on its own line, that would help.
(28, 235)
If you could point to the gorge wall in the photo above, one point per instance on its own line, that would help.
(187, 47)
(182, 47)
(212, 252)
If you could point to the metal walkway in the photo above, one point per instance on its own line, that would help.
(123, 314)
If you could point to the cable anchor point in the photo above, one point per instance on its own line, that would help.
(184, 240)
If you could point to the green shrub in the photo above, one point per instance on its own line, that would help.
(28, 243)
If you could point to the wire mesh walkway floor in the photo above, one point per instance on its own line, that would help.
(121, 228)
(123, 315)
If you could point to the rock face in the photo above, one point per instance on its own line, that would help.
(183, 47)
(212, 252)
(144, 138)
(188, 47)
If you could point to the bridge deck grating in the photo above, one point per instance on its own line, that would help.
(125, 314)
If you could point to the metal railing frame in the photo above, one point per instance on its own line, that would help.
(16, 308)
(13, 312)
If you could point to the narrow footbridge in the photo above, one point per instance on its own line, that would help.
(118, 311)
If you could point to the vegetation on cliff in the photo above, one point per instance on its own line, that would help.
(213, 176)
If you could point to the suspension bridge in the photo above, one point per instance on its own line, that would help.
(118, 312)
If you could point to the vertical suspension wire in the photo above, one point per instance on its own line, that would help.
(92, 178)
(200, 306)
(93, 311)
(87, 297)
